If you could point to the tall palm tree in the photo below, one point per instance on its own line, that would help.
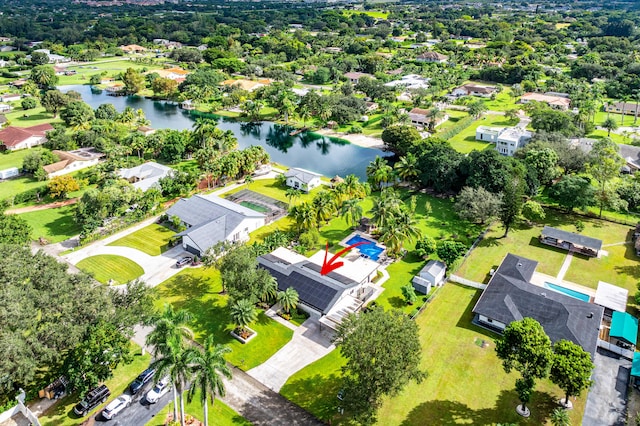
(304, 215)
(624, 99)
(243, 313)
(170, 326)
(351, 210)
(385, 207)
(204, 129)
(288, 299)
(407, 167)
(400, 228)
(292, 194)
(379, 172)
(176, 363)
(323, 206)
(208, 367)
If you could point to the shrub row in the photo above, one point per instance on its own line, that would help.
(460, 126)
(33, 194)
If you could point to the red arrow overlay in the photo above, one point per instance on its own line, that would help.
(331, 266)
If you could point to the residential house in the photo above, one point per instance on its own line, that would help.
(146, 175)
(488, 134)
(71, 161)
(10, 97)
(53, 58)
(302, 179)
(422, 118)
(248, 85)
(431, 275)
(332, 49)
(189, 105)
(571, 241)
(510, 296)
(5, 48)
(5, 108)
(371, 107)
(411, 81)
(474, 90)
(210, 220)
(14, 138)
(626, 108)
(174, 73)
(354, 77)
(432, 57)
(331, 296)
(555, 102)
(510, 139)
(133, 48)
(630, 153)
(146, 130)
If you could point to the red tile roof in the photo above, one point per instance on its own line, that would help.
(12, 136)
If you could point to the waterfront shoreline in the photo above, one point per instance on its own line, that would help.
(353, 138)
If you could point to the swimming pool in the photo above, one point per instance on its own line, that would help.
(371, 250)
(568, 292)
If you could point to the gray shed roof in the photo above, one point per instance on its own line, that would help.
(303, 175)
(581, 240)
(432, 269)
(510, 297)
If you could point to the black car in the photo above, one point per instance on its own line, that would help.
(92, 399)
(144, 378)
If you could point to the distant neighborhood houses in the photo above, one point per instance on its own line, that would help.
(210, 220)
(248, 85)
(474, 90)
(71, 161)
(13, 138)
(146, 176)
(626, 108)
(410, 81)
(354, 77)
(53, 58)
(423, 118)
(433, 57)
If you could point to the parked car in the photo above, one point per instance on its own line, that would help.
(92, 399)
(184, 261)
(115, 406)
(159, 390)
(142, 379)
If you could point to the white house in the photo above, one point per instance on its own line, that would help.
(431, 275)
(5, 107)
(474, 90)
(71, 161)
(13, 138)
(10, 97)
(210, 220)
(487, 134)
(146, 175)
(422, 118)
(411, 81)
(302, 179)
(53, 58)
(512, 138)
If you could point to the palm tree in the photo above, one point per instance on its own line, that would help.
(169, 327)
(204, 129)
(176, 363)
(610, 124)
(248, 179)
(351, 211)
(379, 172)
(323, 206)
(407, 167)
(304, 215)
(400, 228)
(288, 299)
(385, 207)
(292, 194)
(269, 291)
(243, 313)
(208, 367)
(624, 99)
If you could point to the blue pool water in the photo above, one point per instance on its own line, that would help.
(568, 292)
(371, 249)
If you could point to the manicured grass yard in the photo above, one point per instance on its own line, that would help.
(105, 267)
(31, 117)
(152, 240)
(220, 414)
(270, 188)
(465, 141)
(14, 186)
(198, 291)
(62, 413)
(14, 158)
(466, 383)
(55, 225)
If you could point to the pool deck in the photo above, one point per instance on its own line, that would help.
(540, 279)
(365, 236)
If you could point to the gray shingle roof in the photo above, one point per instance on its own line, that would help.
(301, 174)
(510, 297)
(581, 240)
(432, 269)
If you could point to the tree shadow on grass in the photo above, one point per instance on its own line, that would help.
(317, 394)
(443, 412)
(466, 319)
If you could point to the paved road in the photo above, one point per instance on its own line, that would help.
(140, 412)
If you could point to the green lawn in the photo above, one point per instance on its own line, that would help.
(270, 188)
(55, 225)
(152, 240)
(465, 384)
(62, 413)
(454, 117)
(198, 291)
(111, 67)
(220, 414)
(465, 141)
(14, 158)
(626, 121)
(25, 118)
(105, 267)
(20, 184)
(503, 101)
(601, 134)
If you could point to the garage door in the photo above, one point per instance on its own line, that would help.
(193, 250)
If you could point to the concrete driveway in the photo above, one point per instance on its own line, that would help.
(607, 399)
(306, 346)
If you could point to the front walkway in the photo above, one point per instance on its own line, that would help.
(307, 345)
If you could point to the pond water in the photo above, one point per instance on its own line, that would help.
(307, 150)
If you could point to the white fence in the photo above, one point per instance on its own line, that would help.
(464, 281)
(616, 349)
(9, 413)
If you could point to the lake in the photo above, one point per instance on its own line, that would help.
(307, 150)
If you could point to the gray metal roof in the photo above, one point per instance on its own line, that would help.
(581, 240)
(630, 153)
(509, 297)
(432, 269)
(205, 208)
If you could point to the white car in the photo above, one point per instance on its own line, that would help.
(115, 406)
(159, 390)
